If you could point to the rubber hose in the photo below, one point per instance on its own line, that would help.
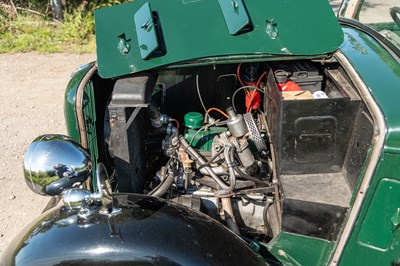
(192, 152)
(162, 188)
(246, 176)
(154, 115)
(228, 154)
(265, 217)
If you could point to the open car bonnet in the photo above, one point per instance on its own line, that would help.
(137, 36)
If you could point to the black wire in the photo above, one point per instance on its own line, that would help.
(230, 162)
(248, 177)
(212, 159)
(272, 100)
(162, 181)
(265, 217)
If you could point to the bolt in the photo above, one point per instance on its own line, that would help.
(112, 122)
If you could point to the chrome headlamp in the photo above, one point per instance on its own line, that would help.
(54, 163)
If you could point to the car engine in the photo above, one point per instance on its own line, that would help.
(257, 146)
(215, 160)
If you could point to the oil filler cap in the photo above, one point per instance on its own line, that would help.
(194, 120)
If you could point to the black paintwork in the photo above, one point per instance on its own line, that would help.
(312, 218)
(148, 231)
(126, 138)
(310, 136)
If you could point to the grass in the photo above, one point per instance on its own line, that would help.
(32, 32)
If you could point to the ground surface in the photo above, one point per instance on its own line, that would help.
(31, 103)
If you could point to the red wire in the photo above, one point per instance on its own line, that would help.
(253, 93)
(177, 124)
(238, 74)
(260, 78)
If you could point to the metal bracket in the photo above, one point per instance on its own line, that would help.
(236, 17)
(132, 117)
(146, 31)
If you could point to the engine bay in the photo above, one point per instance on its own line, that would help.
(261, 147)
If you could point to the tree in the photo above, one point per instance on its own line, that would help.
(57, 7)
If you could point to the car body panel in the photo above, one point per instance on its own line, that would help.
(187, 35)
(146, 231)
(286, 249)
(362, 51)
(70, 115)
(378, 15)
(375, 237)
(379, 70)
(365, 248)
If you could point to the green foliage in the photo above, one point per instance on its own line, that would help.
(42, 178)
(30, 31)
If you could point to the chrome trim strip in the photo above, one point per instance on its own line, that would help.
(79, 105)
(378, 144)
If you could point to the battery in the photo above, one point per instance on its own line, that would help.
(303, 73)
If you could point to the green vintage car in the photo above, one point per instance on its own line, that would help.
(216, 132)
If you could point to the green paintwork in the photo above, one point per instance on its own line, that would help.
(194, 120)
(235, 15)
(376, 237)
(374, 241)
(387, 27)
(203, 140)
(69, 103)
(145, 31)
(197, 29)
(382, 214)
(381, 72)
(291, 249)
(89, 111)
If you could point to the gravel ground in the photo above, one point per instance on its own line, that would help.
(31, 98)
